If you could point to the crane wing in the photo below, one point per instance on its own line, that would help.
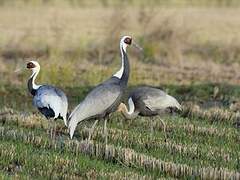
(161, 102)
(153, 98)
(96, 103)
(49, 97)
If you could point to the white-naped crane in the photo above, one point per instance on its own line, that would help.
(104, 98)
(148, 101)
(50, 101)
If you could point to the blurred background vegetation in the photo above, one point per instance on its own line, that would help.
(191, 50)
(188, 44)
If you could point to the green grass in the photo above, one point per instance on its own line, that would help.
(199, 93)
(27, 160)
(184, 146)
(221, 143)
(194, 141)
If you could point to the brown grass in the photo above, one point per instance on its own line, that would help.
(130, 138)
(78, 38)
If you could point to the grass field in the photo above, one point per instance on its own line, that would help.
(191, 50)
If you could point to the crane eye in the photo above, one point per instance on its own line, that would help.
(128, 40)
(30, 65)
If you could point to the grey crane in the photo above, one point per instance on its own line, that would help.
(148, 101)
(49, 100)
(104, 98)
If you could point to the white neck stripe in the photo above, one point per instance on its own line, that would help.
(123, 47)
(34, 75)
(131, 106)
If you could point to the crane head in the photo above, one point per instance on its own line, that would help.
(127, 41)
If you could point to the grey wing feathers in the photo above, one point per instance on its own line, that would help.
(51, 97)
(144, 91)
(95, 103)
(162, 102)
(155, 99)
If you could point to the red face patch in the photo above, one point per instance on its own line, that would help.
(30, 65)
(128, 40)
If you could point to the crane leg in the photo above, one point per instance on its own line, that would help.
(92, 129)
(151, 127)
(105, 130)
(51, 129)
(164, 128)
(54, 130)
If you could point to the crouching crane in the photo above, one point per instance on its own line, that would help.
(148, 101)
(50, 101)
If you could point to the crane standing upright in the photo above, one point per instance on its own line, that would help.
(104, 98)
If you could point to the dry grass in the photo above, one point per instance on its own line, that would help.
(212, 114)
(78, 38)
(141, 141)
(126, 156)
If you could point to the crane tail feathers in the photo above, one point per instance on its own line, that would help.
(65, 121)
(73, 120)
(72, 125)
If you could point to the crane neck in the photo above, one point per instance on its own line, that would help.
(123, 73)
(132, 113)
(32, 87)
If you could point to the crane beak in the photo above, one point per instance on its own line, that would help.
(19, 68)
(137, 46)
